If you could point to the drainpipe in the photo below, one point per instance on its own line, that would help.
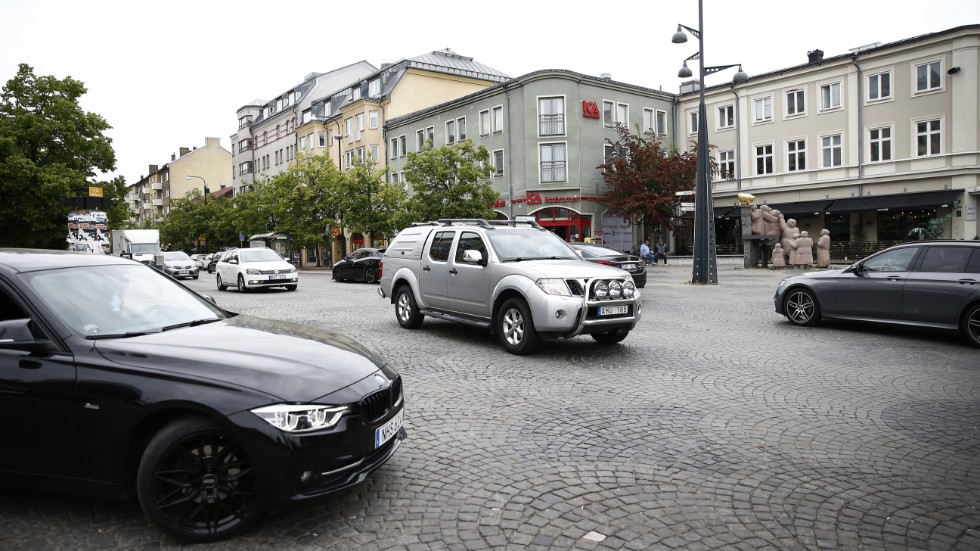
(860, 110)
(738, 141)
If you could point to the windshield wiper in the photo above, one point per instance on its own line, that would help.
(194, 323)
(121, 335)
(523, 258)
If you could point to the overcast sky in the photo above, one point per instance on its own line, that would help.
(166, 74)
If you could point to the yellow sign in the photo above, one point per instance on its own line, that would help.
(94, 191)
(335, 232)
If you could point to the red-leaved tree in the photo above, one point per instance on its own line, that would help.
(642, 178)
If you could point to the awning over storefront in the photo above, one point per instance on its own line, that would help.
(722, 212)
(904, 201)
(803, 208)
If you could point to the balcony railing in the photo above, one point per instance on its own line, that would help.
(553, 171)
(551, 125)
(156, 185)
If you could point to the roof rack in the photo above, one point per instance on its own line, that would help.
(488, 224)
(514, 223)
(464, 221)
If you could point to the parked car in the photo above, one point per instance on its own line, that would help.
(930, 284)
(361, 265)
(199, 260)
(611, 257)
(121, 382)
(177, 264)
(254, 267)
(213, 261)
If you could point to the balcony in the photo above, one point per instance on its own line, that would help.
(158, 202)
(156, 185)
(551, 125)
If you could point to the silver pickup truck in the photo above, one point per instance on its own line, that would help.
(514, 278)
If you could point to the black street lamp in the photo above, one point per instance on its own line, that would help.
(705, 259)
(206, 190)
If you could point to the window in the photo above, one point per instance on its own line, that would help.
(245, 167)
(430, 134)
(648, 121)
(661, 123)
(879, 86)
(349, 156)
(461, 128)
(830, 96)
(796, 155)
(622, 114)
(551, 116)
(393, 148)
(441, 243)
(795, 103)
(244, 121)
(607, 155)
(726, 164)
(374, 152)
(928, 138)
(349, 128)
(402, 145)
(831, 151)
(419, 140)
(928, 77)
(498, 119)
(614, 113)
(307, 116)
(692, 120)
(374, 88)
(950, 260)
(726, 116)
(552, 162)
(469, 241)
(880, 144)
(763, 109)
(372, 119)
(322, 138)
(356, 93)
(361, 154)
(450, 132)
(312, 143)
(763, 159)
(498, 162)
(360, 125)
(485, 122)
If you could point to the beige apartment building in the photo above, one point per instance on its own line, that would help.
(869, 144)
(191, 168)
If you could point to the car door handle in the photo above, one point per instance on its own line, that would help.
(967, 282)
(425, 268)
(895, 278)
(453, 271)
(30, 364)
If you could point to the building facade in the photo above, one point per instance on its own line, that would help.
(870, 145)
(191, 168)
(547, 133)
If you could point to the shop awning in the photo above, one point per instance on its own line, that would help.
(904, 201)
(803, 208)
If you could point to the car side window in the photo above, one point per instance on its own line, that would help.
(897, 260)
(945, 259)
(9, 310)
(439, 251)
(469, 241)
(973, 266)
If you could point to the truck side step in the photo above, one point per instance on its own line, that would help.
(459, 319)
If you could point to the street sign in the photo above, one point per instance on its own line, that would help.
(687, 209)
(683, 205)
(685, 192)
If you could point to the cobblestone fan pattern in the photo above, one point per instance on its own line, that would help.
(715, 425)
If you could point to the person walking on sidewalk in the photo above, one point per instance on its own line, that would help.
(661, 252)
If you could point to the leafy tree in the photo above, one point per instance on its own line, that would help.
(369, 204)
(642, 178)
(452, 181)
(303, 201)
(50, 150)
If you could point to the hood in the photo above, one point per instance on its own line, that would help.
(291, 362)
(564, 269)
(820, 274)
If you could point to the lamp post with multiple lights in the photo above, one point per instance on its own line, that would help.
(705, 259)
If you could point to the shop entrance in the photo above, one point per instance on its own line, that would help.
(565, 223)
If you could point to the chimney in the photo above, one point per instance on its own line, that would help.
(815, 56)
(173, 157)
(606, 76)
(216, 142)
(184, 151)
(153, 168)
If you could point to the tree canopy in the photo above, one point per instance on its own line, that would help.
(452, 181)
(642, 178)
(50, 150)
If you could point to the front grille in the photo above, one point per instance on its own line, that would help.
(273, 272)
(377, 404)
(575, 286)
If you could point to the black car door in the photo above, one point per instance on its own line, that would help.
(38, 401)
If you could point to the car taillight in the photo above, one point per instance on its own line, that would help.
(606, 262)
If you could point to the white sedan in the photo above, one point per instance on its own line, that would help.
(255, 267)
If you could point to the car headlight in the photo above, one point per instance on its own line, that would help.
(629, 289)
(782, 284)
(554, 286)
(601, 289)
(252, 271)
(291, 269)
(301, 418)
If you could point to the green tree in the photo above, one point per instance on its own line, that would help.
(304, 200)
(452, 181)
(371, 205)
(50, 150)
(642, 178)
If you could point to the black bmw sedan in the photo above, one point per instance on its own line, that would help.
(361, 265)
(117, 381)
(611, 257)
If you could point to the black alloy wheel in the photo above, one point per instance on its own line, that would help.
(971, 324)
(801, 307)
(196, 482)
(369, 275)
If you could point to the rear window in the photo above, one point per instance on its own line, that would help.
(945, 259)
(973, 267)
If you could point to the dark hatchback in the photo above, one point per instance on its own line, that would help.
(361, 265)
(120, 382)
(611, 257)
(931, 284)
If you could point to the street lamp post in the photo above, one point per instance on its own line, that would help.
(705, 259)
(206, 193)
(340, 165)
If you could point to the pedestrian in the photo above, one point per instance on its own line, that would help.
(661, 252)
(645, 253)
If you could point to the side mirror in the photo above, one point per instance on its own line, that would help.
(473, 256)
(126, 255)
(17, 335)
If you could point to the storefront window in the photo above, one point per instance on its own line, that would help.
(897, 226)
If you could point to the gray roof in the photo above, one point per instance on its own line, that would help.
(440, 60)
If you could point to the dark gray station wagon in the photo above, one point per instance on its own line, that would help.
(933, 284)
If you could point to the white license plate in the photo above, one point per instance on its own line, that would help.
(384, 433)
(629, 267)
(277, 277)
(183, 272)
(613, 310)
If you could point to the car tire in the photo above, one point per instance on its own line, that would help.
(195, 277)
(334, 272)
(369, 276)
(241, 284)
(515, 328)
(196, 482)
(290, 287)
(801, 308)
(406, 310)
(221, 286)
(610, 337)
(971, 324)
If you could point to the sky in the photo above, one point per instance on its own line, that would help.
(166, 74)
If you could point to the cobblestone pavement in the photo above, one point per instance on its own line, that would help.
(715, 425)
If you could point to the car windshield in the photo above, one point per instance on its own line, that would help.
(514, 245)
(258, 255)
(144, 248)
(176, 255)
(119, 300)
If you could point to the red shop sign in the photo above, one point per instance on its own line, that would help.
(590, 110)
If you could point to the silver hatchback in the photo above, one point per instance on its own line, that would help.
(932, 284)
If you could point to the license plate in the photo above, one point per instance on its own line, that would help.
(613, 310)
(183, 272)
(384, 433)
(277, 277)
(629, 267)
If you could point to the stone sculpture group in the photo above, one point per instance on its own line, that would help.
(793, 247)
